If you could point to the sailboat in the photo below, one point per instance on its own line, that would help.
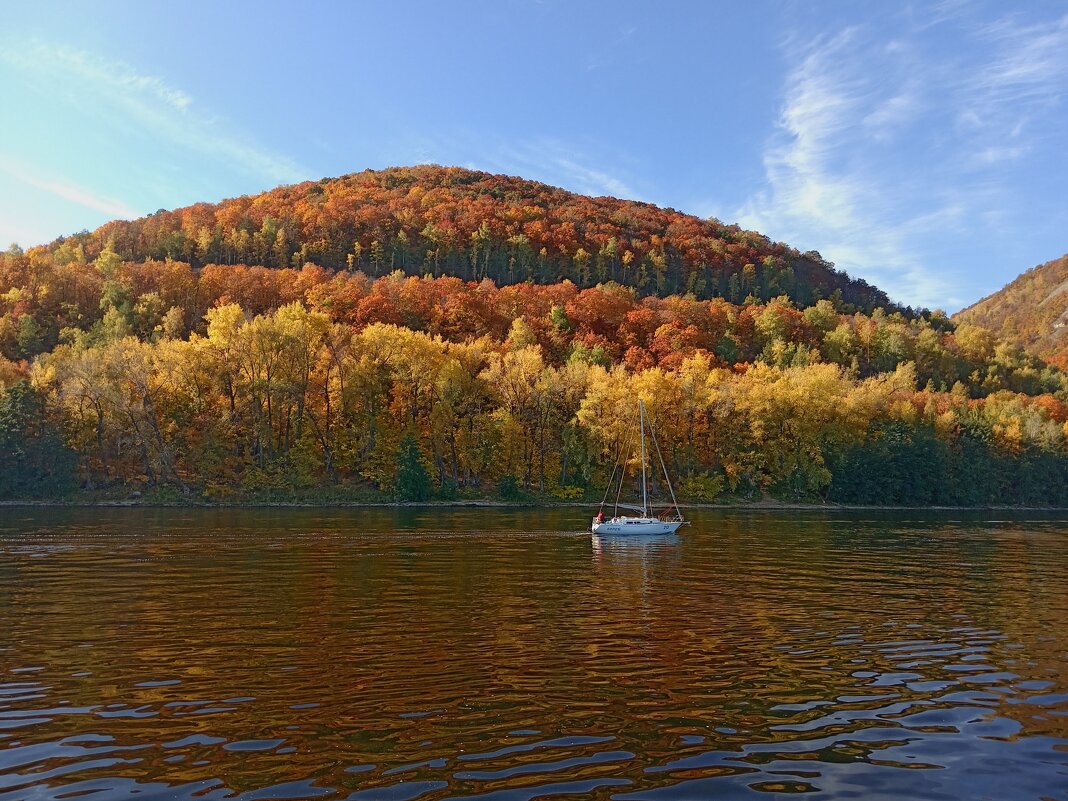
(643, 523)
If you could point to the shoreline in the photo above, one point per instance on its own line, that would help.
(763, 505)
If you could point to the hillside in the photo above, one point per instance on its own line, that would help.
(186, 355)
(473, 225)
(1031, 311)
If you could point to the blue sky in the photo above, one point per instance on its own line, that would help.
(923, 147)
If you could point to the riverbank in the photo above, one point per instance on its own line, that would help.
(764, 504)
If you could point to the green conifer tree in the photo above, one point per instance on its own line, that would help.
(413, 482)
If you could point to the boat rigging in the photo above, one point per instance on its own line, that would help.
(644, 522)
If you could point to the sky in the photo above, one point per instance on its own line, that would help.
(922, 147)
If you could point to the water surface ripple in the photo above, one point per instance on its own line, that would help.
(388, 655)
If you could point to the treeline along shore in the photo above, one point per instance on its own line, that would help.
(230, 383)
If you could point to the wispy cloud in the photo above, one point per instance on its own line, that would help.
(820, 194)
(564, 165)
(860, 165)
(995, 154)
(1023, 78)
(152, 104)
(570, 165)
(891, 115)
(612, 50)
(15, 231)
(68, 191)
(585, 179)
(113, 75)
(936, 13)
(1030, 61)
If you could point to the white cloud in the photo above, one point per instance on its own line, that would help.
(612, 50)
(820, 192)
(1030, 62)
(893, 114)
(116, 75)
(881, 151)
(590, 180)
(1022, 79)
(928, 16)
(995, 155)
(560, 163)
(553, 161)
(150, 103)
(68, 191)
(20, 232)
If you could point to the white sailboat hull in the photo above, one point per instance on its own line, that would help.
(636, 526)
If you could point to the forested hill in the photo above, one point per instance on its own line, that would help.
(1031, 311)
(152, 356)
(474, 225)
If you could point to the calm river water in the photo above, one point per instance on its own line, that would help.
(389, 655)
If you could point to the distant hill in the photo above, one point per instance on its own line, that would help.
(473, 225)
(1031, 312)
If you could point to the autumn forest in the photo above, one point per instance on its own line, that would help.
(434, 332)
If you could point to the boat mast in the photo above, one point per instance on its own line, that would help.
(641, 427)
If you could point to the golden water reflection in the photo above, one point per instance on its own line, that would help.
(402, 654)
